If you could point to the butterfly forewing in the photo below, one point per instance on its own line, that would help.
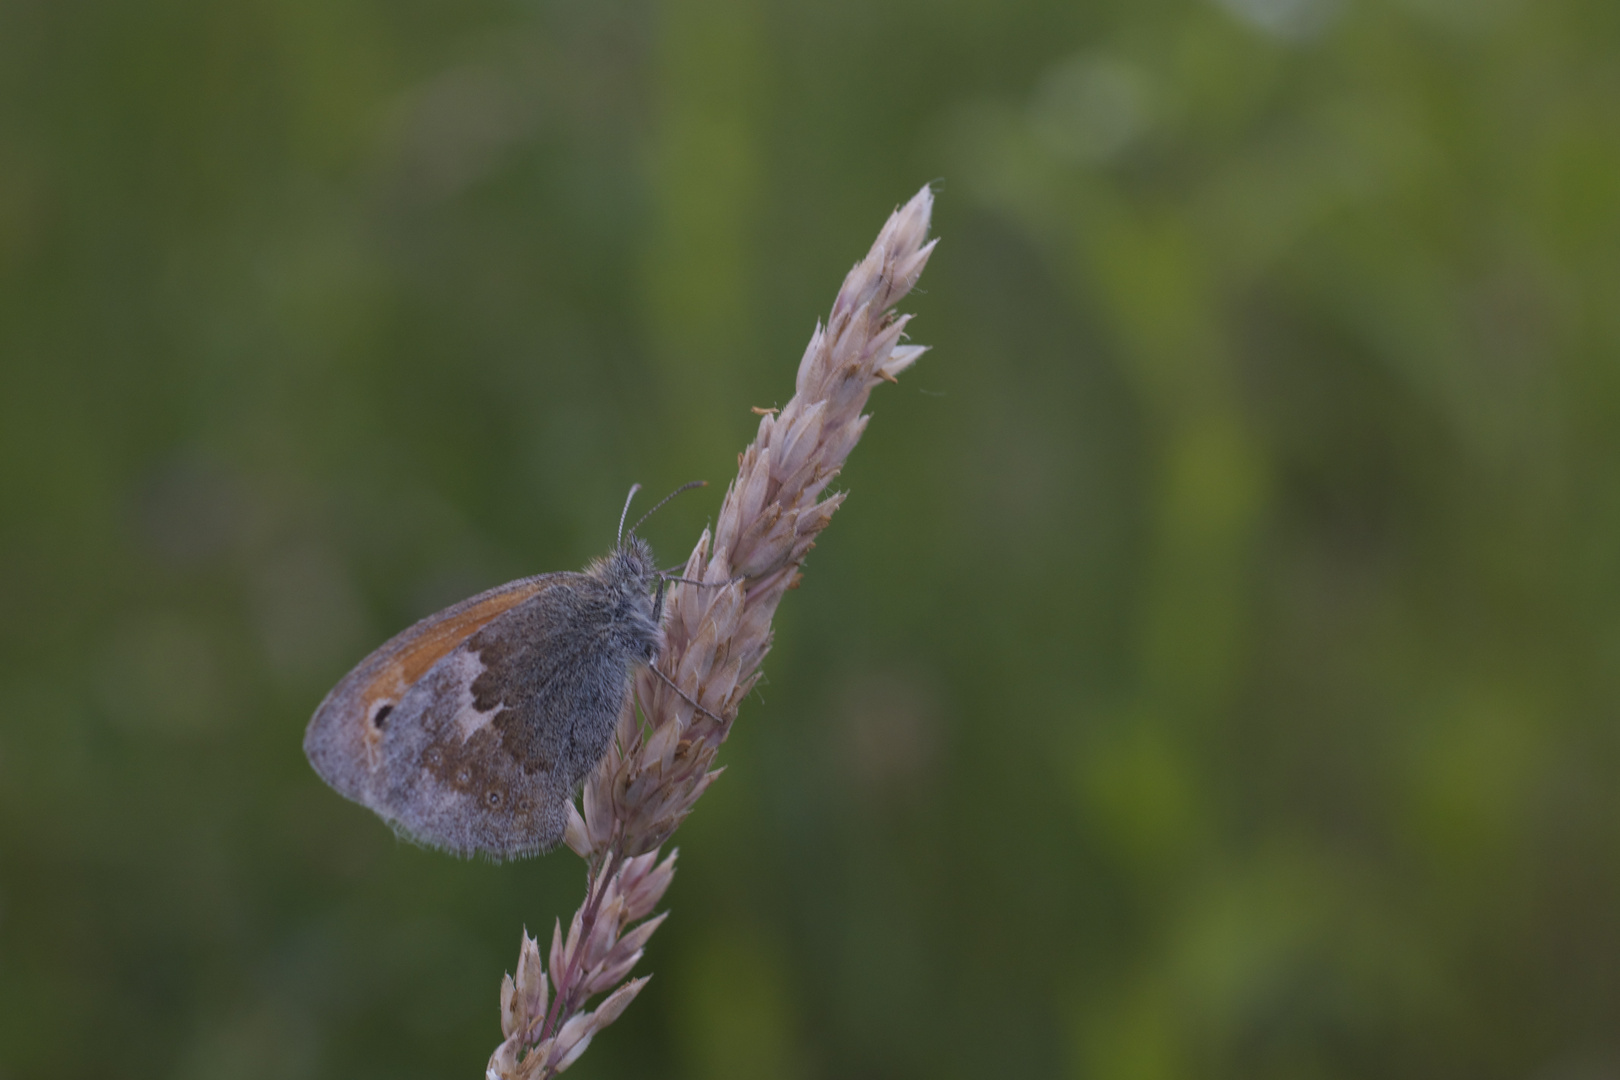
(344, 738)
(484, 751)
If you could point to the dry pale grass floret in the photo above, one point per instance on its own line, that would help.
(716, 636)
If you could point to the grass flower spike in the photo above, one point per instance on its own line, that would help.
(716, 636)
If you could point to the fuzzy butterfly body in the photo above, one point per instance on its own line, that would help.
(470, 730)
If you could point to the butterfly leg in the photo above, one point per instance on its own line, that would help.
(666, 576)
(671, 683)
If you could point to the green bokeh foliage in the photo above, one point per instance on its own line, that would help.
(1214, 672)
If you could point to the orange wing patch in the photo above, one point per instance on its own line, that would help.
(435, 643)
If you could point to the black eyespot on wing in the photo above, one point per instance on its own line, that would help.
(382, 714)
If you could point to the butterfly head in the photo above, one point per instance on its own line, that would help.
(629, 568)
(630, 575)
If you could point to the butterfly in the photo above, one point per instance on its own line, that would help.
(470, 730)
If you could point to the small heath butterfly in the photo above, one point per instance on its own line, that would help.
(470, 730)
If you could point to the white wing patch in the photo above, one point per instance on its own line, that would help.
(463, 668)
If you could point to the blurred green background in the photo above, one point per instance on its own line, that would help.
(1214, 672)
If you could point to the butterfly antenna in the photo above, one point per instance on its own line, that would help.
(626, 513)
(665, 499)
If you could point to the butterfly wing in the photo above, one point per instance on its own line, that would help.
(469, 731)
(344, 741)
(483, 753)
